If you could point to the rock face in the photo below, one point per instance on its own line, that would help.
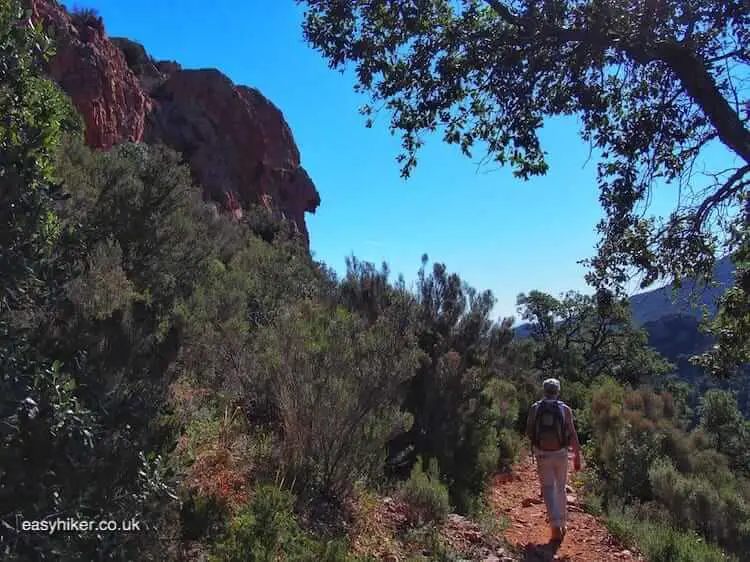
(92, 70)
(235, 140)
(237, 143)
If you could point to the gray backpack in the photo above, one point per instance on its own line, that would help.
(549, 426)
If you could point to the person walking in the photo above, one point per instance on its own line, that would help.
(551, 430)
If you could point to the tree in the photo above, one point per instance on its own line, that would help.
(455, 419)
(653, 83)
(50, 438)
(722, 420)
(581, 338)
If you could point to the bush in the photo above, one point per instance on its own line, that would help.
(262, 530)
(86, 16)
(426, 495)
(508, 445)
(434, 548)
(201, 516)
(721, 514)
(61, 451)
(267, 530)
(662, 543)
(337, 387)
(455, 417)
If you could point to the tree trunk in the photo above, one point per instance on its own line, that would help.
(702, 88)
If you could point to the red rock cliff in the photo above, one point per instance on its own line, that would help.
(237, 143)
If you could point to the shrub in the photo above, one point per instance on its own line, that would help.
(505, 410)
(455, 419)
(593, 504)
(434, 548)
(426, 495)
(262, 530)
(267, 530)
(508, 444)
(662, 543)
(722, 515)
(86, 16)
(61, 451)
(201, 516)
(337, 388)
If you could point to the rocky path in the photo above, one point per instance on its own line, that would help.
(516, 495)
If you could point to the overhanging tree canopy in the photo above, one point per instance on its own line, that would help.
(654, 82)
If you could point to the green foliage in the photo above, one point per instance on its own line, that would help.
(630, 431)
(432, 545)
(336, 383)
(201, 516)
(662, 543)
(731, 326)
(583, 337)
(642, 456)
(718, 510)
(455, 420)
(54, 440)
(35, 114)
(426, 495)
(267, 529)
(652, 87)
(505, 409)
(509, 444)
(724, 424)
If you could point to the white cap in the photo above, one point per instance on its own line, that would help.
(551, 386)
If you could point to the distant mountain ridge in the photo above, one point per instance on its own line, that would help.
(657, 303)
(650, 306)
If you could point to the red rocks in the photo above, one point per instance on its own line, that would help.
(237, 143)
(94, 73)
(234, 139)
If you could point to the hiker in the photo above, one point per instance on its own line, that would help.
(551, 430)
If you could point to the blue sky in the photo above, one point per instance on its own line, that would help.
(497, 232)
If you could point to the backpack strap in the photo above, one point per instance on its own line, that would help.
(564, 410)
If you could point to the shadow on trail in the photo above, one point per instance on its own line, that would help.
(543, 553)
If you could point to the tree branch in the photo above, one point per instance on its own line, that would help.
(731, 186)
(691, 71)
(702, 89)
(546, 29)
(725, 56)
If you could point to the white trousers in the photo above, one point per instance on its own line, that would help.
(552, 468)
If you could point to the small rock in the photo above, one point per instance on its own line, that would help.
(626, 553)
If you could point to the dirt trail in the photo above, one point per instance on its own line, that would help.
(516, 495)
